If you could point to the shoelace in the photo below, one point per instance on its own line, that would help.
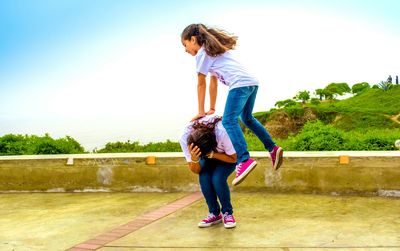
(228, 217)
(239, 167)
(210, 217)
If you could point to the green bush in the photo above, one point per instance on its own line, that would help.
(286, 103)
(360, 87)
(315, 101)
(315, 136)
(294, 111)
(11, 144)
(326, 116)
(378, 139)
(123, 147)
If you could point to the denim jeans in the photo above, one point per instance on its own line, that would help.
(240, 102)
(213, 182)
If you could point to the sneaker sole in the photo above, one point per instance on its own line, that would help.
(239, 180)
(210, 224)
(279, 159)
(230, 226)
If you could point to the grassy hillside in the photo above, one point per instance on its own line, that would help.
(373, 109)
(372, 101)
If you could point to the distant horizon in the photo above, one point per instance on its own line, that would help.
(92, 136)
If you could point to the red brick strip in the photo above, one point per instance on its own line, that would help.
(139, 222)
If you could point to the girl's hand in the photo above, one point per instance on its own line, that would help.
(211, 111)
(198, 116)
(194, 152)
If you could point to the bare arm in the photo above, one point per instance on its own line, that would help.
(223, 157)
(201, 95)
(213, 89)
(195, 166)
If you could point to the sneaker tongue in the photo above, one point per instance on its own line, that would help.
(228, 217)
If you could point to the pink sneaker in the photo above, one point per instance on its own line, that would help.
(210, 220)
(229, 221)
(242, 170)
(276, 157)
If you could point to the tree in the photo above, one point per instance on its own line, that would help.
(320, 93)
(303, 96)
(360, 87)
(337, 89)
(285, 103)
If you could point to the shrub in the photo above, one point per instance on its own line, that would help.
(371, 140)
(123, 147)
(315, 101)
(286, 103)
(294, 111)
(315, 136)
(360, 87)
(11, 144)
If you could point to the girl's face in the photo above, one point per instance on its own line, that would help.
(191, 46)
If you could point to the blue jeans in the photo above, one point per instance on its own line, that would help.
(240, 102)
(213, 182)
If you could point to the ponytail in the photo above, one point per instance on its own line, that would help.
(215, 41)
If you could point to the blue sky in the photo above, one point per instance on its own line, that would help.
(32, 29)
(122, 61)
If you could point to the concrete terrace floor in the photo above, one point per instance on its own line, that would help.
(59, 221)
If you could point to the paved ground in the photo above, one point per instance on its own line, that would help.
(265, 222)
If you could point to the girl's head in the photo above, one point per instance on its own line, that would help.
(214, 41)
(203, 136)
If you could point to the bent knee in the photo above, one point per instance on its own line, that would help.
(248, 120)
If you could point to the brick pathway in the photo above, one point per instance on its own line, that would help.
(139, 222)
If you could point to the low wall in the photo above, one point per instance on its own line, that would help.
(307, 172)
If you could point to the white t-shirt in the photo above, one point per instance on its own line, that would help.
(224, 144)
(226, 68)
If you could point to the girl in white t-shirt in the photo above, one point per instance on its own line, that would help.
(211, 47)
(210, 153)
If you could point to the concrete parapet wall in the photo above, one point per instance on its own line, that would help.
(307, 172)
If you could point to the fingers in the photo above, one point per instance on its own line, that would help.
(194, 151)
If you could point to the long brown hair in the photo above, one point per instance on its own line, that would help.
(203, 136)
(215, 41)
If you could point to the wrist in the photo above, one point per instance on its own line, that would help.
(195, 161)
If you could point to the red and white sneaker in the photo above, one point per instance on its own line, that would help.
(242, 170)
(276, 157)
(229, 221)
(210, 220)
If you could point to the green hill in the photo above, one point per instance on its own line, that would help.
(374, 101)
(373, 108)
(366, 121)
